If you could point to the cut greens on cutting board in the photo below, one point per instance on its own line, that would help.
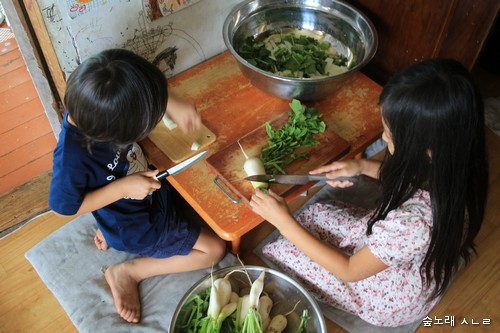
(228, 163)
(176, 144)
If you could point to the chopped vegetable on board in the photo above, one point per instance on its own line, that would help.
(169, 122)
(303, 124)
(253, 166)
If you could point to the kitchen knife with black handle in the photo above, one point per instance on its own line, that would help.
(181, 166)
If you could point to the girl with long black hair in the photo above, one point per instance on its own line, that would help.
(391, 265)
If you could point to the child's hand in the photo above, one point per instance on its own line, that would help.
(348, 168)
(139, 185)
(271, 207)
(183, 113)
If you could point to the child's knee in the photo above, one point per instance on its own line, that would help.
(219, 249)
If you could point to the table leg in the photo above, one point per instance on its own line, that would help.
(235, 245)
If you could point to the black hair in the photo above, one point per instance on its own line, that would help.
(435, 116)
(116, 96)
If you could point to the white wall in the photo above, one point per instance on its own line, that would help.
(196, 31)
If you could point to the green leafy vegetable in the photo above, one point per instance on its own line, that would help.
(299, 132)
(295, 54)
(194, 318)
(303, 322)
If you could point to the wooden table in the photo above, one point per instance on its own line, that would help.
(231, 107)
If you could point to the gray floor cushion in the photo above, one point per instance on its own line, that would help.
(72, 268)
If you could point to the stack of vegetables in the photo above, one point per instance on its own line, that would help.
(221, 309)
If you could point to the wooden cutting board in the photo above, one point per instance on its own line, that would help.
(227, 163)
(176, 144)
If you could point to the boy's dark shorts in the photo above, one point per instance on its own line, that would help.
(180, 234)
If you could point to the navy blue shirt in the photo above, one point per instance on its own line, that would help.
(126, 224)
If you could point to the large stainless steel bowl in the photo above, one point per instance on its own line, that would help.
(284, 291)
(344, 26)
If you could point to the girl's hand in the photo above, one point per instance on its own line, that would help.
(271, 207)
(336, 169)
(139, 185)
(183, 113)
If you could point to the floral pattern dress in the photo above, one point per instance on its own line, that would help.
(393, 297)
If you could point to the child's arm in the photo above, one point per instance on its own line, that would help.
(349, 168)
(183, 113)
(134, 186)
(348, 268)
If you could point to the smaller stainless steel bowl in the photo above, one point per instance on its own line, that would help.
(344, 26)
(283, 290)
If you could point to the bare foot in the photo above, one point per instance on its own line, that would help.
(99, 241)
(125, 292)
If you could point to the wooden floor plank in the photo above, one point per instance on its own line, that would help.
(11, 60)
(24, 173)
(19, 106)
(14, 78)
(24, 202)
(24, 134)
(13, 98)
(33, 308)
(8, 45)
(32, 151)
(20, 115)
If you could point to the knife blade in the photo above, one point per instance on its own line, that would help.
(294, 179)
(181, 166)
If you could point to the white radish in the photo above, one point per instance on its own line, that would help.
(224, 288)
(169, 122)
(195, 146)
(252, 321)
(234, 297)
(265, 306)
(277, 324)
(245, 304)
(265, 323)
(253, 166)
(256, 290)
(220, 294)
(226, 311)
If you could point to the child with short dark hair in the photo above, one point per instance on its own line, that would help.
(391, 265)
(113, 100)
